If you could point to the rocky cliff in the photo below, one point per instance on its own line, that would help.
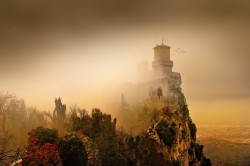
(161, 132)
(173, 128)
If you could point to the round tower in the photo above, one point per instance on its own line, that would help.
(162, 64)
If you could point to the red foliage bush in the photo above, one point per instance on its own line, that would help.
(41, 155)
(44, 155)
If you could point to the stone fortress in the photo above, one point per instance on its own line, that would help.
(170, 110)
(167, 115)
(162, 75)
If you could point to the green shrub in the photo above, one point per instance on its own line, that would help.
(199, 151)
(167, 133)
(72, 151)
(193, 130)
(185, 112)
(44, 135)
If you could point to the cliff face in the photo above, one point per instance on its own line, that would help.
(160, 131)
(167, 135)
(173, 128)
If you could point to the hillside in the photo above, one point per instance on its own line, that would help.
(165, 135)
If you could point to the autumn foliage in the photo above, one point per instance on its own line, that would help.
(42, 148)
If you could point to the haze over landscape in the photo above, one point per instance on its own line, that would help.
(88, 53)
(77, 50)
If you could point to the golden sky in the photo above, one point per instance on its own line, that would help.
(73, 49)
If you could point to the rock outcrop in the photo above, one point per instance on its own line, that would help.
(169, 140)
(173, 129)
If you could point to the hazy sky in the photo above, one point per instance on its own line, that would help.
(71, 49)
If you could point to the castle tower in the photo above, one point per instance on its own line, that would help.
(162, 64)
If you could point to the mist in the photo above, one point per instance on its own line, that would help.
(85, 52)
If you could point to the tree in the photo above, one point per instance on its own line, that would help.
(72, 151)
(111, 149)
(124, 105)
(10, 106)
(58, 117)
(79, 120)
(43, 135)
(167, 132)
(159, 92)
(102, 124)
(44, 155)
(148, 153)
(185, 112)
(152, 92)
(193, 130)
(36, 118)
(59, 114)
(42, 148)
(206, 161)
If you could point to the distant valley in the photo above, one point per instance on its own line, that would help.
(226, 144)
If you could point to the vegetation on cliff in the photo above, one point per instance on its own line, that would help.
(161, 132)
